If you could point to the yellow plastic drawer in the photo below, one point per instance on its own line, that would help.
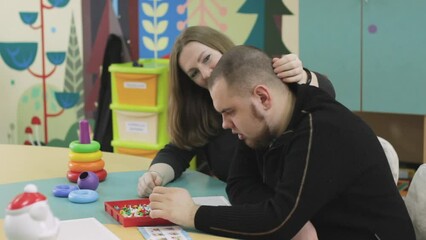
(136, 88)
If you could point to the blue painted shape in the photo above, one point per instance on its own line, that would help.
(56, 58)
(257, 34)
(117, 186)
(18, 56)
(67, 100)
(28, 17)
(58, 3)
(172, 31)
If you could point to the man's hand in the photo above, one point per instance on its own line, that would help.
(173, 204)
(308, 232)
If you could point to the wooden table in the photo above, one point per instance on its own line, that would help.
(47, 167)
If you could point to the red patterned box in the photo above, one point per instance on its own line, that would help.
(113, 209)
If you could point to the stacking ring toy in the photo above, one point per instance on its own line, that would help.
(73, 176)
(78, 147)
(85, 157)
(63, 190)
(86, 166)
(102, 174)
(83, 196)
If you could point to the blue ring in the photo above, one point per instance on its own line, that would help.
(83, 196)
(63, 190)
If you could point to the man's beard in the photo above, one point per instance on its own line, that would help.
(265, 136)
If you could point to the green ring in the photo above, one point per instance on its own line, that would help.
(78, 147)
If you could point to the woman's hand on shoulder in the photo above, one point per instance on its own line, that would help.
(289, 68)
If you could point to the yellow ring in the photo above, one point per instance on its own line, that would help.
(86, 166)
(78, 147)
(85, 157)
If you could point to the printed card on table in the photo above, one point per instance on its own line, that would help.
(164, 233)
(176, 232)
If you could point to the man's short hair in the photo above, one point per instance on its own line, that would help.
(243, 67)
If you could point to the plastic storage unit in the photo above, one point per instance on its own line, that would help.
(139, 106)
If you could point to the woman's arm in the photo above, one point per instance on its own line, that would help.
(324, 83)
(169, 164)
(289, 69)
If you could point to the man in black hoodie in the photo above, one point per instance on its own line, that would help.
(302, 157)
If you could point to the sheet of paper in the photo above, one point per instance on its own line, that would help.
(212, 201)
(84, 229)
(164, 233)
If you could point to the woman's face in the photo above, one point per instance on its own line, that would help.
(197, 61)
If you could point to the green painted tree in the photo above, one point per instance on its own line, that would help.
(266, 32)
(74, 70)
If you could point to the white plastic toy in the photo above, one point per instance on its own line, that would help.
(28, 217)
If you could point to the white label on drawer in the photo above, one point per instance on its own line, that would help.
(140, 85)
(137, 127)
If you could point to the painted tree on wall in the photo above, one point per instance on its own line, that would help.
(266, 33)
(20, 56)
(74, 71)
(206, 13)
(155, 26)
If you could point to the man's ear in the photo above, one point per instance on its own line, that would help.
(263, 95)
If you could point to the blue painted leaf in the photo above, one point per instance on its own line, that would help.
(58, 3)
(18, 56)
(67, 100)
(28, 17)
(56, 58)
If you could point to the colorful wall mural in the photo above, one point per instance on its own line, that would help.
(268, 24)
(52, 51)
(41, 70)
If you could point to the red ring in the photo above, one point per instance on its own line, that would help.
(73, 176)
(86, 166)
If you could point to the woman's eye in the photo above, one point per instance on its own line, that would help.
(193, 74)
(206, 59)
